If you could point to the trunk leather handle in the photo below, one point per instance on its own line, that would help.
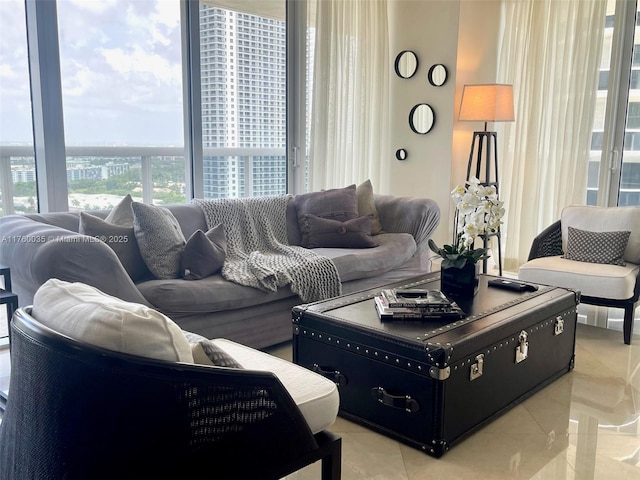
(334, 375)
(402, 402)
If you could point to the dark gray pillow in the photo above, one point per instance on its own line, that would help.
(596, 247)
(204, 253)
(338, 204)
(215, 354)
(160, 239)
(122, 241)
(325, 232)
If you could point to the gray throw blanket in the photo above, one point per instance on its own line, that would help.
(259, 254)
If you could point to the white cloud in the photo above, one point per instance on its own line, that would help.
(139, 61)
(94, 6)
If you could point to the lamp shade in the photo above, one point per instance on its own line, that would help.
(487, 103)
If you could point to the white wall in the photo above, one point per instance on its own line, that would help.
(463, 36)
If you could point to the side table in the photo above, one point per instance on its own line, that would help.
(11, 301)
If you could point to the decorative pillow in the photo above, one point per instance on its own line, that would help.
(122, 241)
(367, 205)
(337, 204)
(204, 253)
(324, 232)
(160, 239)
(88, 315)
(205, 352)
(122, 214)
(596, 247)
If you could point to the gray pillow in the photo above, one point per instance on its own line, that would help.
(122, 214)
(338, 204)
(596, 247)
(160, 239)
(214, 354)
(204, 253)
(367, 206)
(325, 232)
(122, 241)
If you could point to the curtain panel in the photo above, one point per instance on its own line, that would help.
(550, 51)
(350, 102)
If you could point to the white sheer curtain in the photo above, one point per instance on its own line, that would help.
(350, 109)
(550, 52)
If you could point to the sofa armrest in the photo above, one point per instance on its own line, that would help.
(548, 243)
(417, 216)
(37, 251)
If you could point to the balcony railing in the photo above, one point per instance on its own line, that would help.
(245, 157)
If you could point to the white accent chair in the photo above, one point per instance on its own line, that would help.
(599, 284)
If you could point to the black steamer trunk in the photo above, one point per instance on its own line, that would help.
(431, 383)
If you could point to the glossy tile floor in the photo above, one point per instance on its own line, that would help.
(586, 425)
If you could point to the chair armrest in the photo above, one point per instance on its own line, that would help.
(548, 243)
(417, 216)
(37, 251)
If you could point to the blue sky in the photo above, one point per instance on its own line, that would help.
(120, 68)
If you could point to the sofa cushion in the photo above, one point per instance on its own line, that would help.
(393, 250)
(88, 315)
(592, 279)
(326, 232)
(316, 396)
(596, 247)
(122, 241)
(604, 219)
(210, 294)
(204, 253)
(367, 205)
(214, 294)
(160, 239)
(338, 204)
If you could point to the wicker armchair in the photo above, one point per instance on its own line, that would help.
(78, 411)
(549, 244)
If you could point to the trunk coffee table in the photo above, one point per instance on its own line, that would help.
(431, 383)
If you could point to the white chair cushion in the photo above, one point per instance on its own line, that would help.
(592, 279)
(316, 396)
(88, 315)
(603, 219)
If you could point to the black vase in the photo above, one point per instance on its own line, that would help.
(461, 282)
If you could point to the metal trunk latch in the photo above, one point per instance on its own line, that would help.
(559, 326)
(477, 368)
(522, 350)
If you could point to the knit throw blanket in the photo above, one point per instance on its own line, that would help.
(259, 254)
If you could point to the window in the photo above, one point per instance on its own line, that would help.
(614, 162)
(17, 164)
(122, 99)
(120, 95)
(249, 133)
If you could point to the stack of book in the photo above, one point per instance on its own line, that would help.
(416, 304)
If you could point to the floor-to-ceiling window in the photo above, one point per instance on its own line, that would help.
(121, 75)
(18, 192)
(614, 163)
(243, 97)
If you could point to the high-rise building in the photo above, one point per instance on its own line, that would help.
(243, 81)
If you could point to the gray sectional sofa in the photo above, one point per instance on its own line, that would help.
(41, 246)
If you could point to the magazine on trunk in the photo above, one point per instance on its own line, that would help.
(414, 298)
(388, 313)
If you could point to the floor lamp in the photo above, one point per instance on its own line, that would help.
(486, 103)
